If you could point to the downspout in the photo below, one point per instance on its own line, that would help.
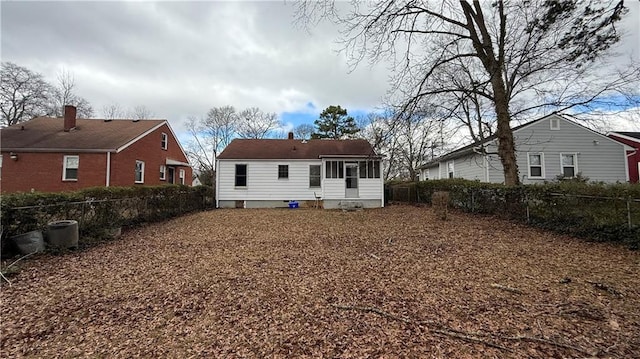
(217, 194)
(108, 179)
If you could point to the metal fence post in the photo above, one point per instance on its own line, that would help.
(629, 211)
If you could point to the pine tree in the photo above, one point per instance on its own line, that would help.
(335, 123)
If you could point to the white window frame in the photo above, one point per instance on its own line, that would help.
(285, 167)
(319, 176)
(557, 124)
(575, 164)
(64, 168)
(246, 175)
(542, 170)
(452, 173)
(181, 175)
(163, 172)
(426, 174)
(141, 172)
(165, 141)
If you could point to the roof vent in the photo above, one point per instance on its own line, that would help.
(294, 148)
(304, 141)
(136, 120)
(108, 120)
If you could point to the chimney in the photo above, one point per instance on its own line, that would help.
(69, 118)
(291, 135)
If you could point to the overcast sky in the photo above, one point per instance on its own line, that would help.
(182, 58)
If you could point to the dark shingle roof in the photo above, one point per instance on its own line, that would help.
(45, 134)
(294, 149)
(630, 134)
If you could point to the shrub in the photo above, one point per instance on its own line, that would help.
(596, 211)
(99, 209)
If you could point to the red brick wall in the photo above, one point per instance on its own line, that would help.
(43, 172)
(149, 150)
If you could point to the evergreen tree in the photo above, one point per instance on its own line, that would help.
(335, 123)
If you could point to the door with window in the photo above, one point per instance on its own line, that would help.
(351, 179)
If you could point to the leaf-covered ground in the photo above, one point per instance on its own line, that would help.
(393, 282)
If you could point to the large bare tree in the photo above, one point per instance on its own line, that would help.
(255, 123)
(64, 94)
(24, 94)
(520, 56)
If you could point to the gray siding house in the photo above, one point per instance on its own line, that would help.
(546, 148)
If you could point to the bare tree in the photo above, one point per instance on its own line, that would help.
(303, 131)
(254, 123)
(112, 111)
(63, 94)
(23, 94)
(521, 56)
(141, 112)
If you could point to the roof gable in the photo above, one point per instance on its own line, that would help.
(629, 136)
(270, 149)
(47, 134)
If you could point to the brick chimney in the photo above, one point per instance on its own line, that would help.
(69, 118)
(291, 135)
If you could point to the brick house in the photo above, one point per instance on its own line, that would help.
(633, 155)
(66, 154)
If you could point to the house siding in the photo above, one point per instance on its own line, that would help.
(598, 157)
(263, 184)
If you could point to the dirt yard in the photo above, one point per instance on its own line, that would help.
(394, 282)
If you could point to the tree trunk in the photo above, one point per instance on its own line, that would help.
(506, 146)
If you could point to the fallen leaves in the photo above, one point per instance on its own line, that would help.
(274, 283)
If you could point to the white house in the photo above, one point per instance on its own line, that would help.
(269, 173)
(546, 148)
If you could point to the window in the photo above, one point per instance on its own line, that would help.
(426, 174)
(283, 171)
(536, 165)
(139, 171)
(450, 171)
(334, 169)
(163, 172)
(369, 169)
(164, 141)
(569, 164)
(181, 176)
(241, 175)
(314, 176)
(70, 168)
(554, 124)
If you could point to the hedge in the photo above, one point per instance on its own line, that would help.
(595, 211)
(99, 209)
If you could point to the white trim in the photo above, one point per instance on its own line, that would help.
(135, 178)
(453, 168)
(181, 176)
(164, 141)
(626, 165)
(217, 193)
(170, 162)
(107, 181)
(542, 167)
(163, 173)
(123, 147)
(575, 163)
(64, 168)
